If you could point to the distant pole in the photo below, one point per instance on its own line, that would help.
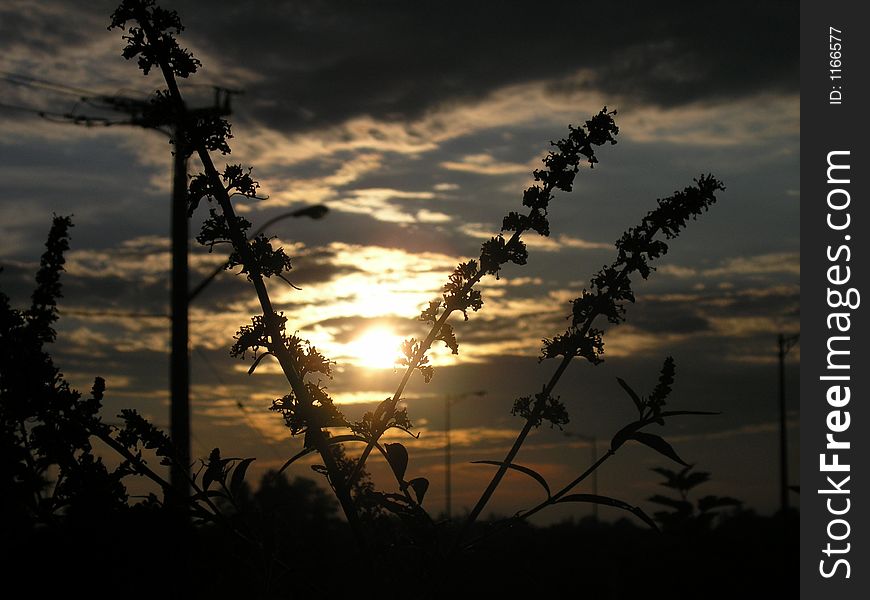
(785, 344)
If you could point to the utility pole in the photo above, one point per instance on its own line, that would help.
(142, 115)
(786, 343)
(179, 356)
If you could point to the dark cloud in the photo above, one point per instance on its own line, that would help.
(668, 317)
(43, 31)
(323, 62)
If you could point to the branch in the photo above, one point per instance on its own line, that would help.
(271, 320)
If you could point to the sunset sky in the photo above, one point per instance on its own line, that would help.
(418, 125)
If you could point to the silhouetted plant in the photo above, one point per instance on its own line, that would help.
(49, 469)
(683, 513)
(47, 465)
(307, 408)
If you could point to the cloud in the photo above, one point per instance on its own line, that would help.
(310, 60)
(763, 264)
(380, 204)
(484, 164)
(555, 243)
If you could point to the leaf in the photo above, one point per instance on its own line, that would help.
(208, 494)
(339, 439)
(681, 506)
(294, 458)
(637, 401)
(666, 473)
(257, 362)
(214, 469)
(623, 434)
(531, 473)
(395, 503)
(657, 443)
(694, 479)
(238, 477)
(381, 409)
(397, 456)
(416, 436)
(419, 485)
(596, 499)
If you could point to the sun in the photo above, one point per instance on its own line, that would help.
(377, 348)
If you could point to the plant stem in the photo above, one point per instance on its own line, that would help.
(415, 361)
(548, 502)
(270, 318)
(512, 453)
(533, 417)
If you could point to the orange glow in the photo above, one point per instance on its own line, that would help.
(377, 348)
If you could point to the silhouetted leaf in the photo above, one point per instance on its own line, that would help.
(419, 485)
(395, 503)
(637, 401)
(531, 473)
(416, 436)
(257, 362)
(214, 470)
(295, 457)
(693, 479)
(625, 433)
(682, 506)
(381, 409)
(339, 439)
(397, 456)
(208, 494)
(606, 501)
(657, 443)
(666, 473)
(238, 477)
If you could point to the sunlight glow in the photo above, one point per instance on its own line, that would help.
(377, 348)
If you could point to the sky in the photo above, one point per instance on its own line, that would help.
(418, 125)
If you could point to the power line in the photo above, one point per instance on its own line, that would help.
(179, 361)
(137, 108)
(68, 117)
(35, 82)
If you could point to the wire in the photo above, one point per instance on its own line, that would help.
(36, 82)
(66, 118)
